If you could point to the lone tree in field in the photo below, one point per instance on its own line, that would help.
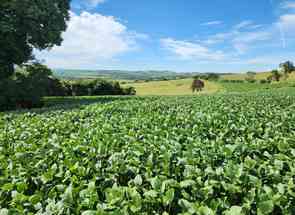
(250, 77)
(287, 68)
(197, 85)
(29, 24)
(275, 76)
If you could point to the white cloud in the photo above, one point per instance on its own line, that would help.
(288, 5)
(217, 22)
(270, 59)
(94, 3)
(243, 24)
(189, 50)
(287, 22)
(242, 41)
(91, 38)
(286, 28)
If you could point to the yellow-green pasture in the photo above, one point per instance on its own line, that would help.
(172, 87)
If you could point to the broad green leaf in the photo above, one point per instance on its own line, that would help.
(234, 210)
(187, 183)
(265, 207)
(204, 210)
(151, 194)
(168, 197)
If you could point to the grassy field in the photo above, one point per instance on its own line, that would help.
(173, 87)
(182, 87)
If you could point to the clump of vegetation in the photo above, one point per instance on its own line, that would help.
(275, 76)
(250, 77)
(26, 88)
(197, 84)
(232, 81)
(287, 68)
(265, 81)
(211, 77)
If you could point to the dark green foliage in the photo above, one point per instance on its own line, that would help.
(265, 81)
(211, 77)
(26, 88)
(287, 68)
(232, 81)
(129, 91)
(95, 88)
(250, 77)
(8, 94)
(27, 24)
(275, 76)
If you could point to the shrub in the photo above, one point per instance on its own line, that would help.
(211, 77)
(26, 88)
(250, 80)
(129, 91)
(264, 81)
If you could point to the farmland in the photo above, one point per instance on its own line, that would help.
(171, 87)
(216, 154)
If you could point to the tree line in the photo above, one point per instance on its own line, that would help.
(26, 87)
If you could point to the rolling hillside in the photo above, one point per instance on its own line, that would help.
(173, 87)
(119, 74)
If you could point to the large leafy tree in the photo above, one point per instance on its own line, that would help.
(29, 24)
(275, 75)
(287, 67)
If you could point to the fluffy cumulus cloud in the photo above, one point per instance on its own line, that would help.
(190, 50)
(91, 38)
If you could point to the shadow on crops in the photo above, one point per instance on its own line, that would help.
(70, 103)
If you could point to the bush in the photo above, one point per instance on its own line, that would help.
(129, 91)
(250, 80)
(265, 81)
(233, 81)
(8, 94)
(26, 88)
(96, 87)
(211, 77)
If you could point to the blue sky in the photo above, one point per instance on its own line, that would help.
(183, 36)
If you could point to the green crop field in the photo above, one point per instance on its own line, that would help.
(218, 154)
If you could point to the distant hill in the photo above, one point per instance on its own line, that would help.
(120, 74)
(116, 74)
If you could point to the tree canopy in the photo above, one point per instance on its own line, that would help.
(28, 24)
(287, 67)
